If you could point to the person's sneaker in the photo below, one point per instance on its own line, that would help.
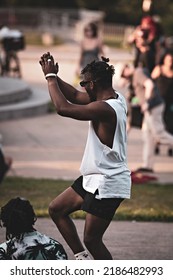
(82, 256)
(144, 169)
(140, 178)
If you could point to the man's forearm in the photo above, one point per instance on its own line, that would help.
(68, 91)
(56, 95)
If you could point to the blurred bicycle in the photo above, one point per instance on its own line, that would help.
(12, 41)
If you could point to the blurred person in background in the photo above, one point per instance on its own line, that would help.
(91, 47)
(5, 165)
(149, 43)
(5, 162)
(152, 107)
(148, 26)
(163, 77)
(146, 54)
(12, 41)
(24, 242)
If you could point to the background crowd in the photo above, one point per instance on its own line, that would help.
(150, 89)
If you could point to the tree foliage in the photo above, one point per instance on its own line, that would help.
(40, 3)
(119, 11)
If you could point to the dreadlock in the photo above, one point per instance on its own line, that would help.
(101, 71)
(18, 217)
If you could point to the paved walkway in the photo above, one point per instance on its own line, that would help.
(51, 147)
(125, 240)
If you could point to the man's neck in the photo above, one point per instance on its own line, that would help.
(107, 94)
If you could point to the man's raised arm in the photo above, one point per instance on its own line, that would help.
(70, 93)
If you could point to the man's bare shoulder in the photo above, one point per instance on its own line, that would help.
(102, 109)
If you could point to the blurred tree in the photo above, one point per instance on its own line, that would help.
(40, 3)
(164, 9)
(119, 11)
(130, 12)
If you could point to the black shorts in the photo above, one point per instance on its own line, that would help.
(103, 208)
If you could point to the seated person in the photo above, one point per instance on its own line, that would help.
(24, 242)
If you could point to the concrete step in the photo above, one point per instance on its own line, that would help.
(13, 90)
(35, 105)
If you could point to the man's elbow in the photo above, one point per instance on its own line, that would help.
(61, 113)
(61, 110)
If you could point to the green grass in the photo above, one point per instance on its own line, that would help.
(151, 202)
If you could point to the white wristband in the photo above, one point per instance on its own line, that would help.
(50, 75)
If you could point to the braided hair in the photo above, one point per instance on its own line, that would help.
(100, 71)
(18, 217)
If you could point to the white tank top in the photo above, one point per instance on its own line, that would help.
(104, 168)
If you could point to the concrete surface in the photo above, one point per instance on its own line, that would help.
(13, 90)
(125, 240)
(51, 146)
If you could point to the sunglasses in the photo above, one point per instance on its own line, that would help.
(84, 83)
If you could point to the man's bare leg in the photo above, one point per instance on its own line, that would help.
(95, 227)
(59, 210)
